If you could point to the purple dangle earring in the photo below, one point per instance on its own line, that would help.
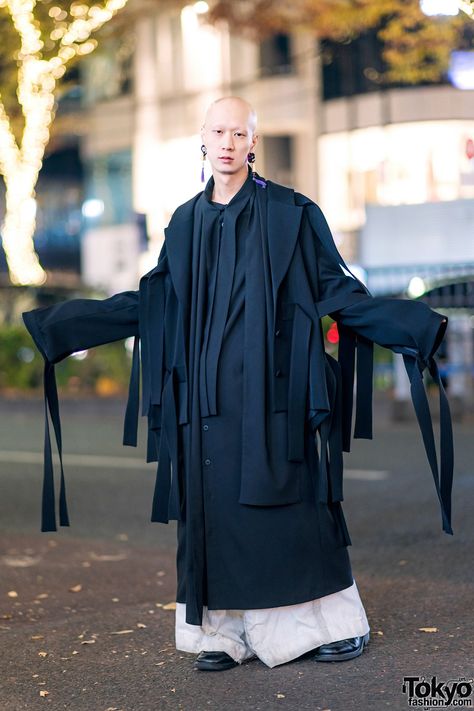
(258, 180)
(204, 151)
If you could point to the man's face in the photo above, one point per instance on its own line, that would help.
(228, 137)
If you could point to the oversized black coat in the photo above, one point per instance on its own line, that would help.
(298, 497)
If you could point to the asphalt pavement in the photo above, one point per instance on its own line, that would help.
(86, 613)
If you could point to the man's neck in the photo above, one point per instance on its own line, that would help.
(226, 186)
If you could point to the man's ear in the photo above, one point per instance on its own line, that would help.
(254, 141)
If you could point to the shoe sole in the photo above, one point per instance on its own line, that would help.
(343, 657)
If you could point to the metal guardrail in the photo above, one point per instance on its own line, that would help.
(392, 280)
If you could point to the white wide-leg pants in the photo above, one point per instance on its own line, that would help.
(276, 634)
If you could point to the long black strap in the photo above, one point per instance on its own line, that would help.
(130, 428)
(349, 343)
(442, 475)
(48, 514)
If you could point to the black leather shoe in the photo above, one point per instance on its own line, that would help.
(341, 650)
(214, 661)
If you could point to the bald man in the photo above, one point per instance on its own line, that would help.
(247, 414)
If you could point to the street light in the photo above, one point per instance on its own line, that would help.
(416, 287)
(439, 7)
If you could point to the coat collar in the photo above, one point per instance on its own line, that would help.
(283, 219)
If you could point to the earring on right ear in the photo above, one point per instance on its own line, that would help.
(204, 151)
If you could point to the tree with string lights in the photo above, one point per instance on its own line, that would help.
(41, 38)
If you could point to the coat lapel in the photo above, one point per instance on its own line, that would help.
(179, 240)
(283, 224)
(283, 221)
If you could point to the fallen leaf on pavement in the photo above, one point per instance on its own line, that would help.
(75, 588)
(428, 629)
(280, 696)
(141, 626)
(43, 692)
(170, 606)
(37, 636)
(23, 561)
(107, 557)
(42, 654)
(12, 593)
(122, 632)
(88, 641)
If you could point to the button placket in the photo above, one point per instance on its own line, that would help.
(207, 460)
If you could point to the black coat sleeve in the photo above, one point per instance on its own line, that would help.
(390, 322)
(60, 330)
(79, 324)
(405, 326)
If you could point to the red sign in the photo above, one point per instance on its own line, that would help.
(333, 335)
(470, 148)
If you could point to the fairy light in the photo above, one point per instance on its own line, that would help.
(467, 6)
(37, 79)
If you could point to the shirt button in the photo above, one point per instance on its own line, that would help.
(205, 427)
(207, 462)
(278, 373)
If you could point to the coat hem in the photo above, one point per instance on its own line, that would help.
(298, 599)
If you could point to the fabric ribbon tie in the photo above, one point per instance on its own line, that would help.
(48, 514)
(298, 380)
(351, 343)
(166, 496)
(443, 475)
(130, 429)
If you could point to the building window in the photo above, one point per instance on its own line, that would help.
(275, 55)
(109, 179)
(356, 66)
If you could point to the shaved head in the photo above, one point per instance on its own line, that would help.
(232, 102)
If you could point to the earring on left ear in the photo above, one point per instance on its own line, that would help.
(203, 151)
(259, 181)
